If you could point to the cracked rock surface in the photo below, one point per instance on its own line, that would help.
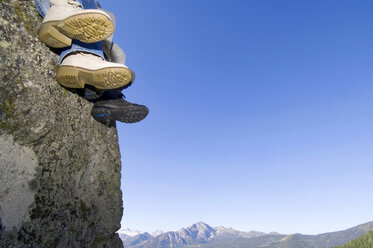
(59, 168)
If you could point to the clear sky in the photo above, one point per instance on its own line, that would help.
(261, 114)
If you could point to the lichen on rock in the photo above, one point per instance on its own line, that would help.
(60, 169)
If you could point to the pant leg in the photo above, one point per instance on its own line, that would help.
(76, 46)
(88, 4)
(42, 6)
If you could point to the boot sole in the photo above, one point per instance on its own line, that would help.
(108, 116)
(86, 27)
(106, 78)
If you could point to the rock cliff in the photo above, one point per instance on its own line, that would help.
(59, 168)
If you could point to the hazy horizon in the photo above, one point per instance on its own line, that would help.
(273, 231)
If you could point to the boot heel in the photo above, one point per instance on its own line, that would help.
(50, 35)
(69, 77)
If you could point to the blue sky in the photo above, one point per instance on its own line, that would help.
(260, 114)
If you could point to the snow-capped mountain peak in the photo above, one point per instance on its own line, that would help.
(157, 233)
(129, 232)
(201, 234)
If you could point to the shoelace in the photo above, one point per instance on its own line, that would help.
(75, 4)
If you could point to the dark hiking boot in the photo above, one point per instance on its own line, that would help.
(91, 94)
(112, 107)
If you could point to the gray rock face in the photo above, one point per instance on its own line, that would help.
(18, 169)
(59, 168)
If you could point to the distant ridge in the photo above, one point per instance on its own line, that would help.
(363, 242)
(202, 235)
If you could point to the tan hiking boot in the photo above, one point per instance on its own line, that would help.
(66, 20)
(79, 69)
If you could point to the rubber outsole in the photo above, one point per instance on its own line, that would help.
(106, 78)
(86, 27)
(108, 116)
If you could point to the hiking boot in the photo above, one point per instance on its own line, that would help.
(67, 20)
(91, 94)
(107, 111)
(79, 69)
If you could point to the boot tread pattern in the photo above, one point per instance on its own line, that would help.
(70, 81)
(88, 28)
(107, 78)
(107, 116)
(114, 78)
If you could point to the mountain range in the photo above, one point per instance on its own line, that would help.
(201, 235)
